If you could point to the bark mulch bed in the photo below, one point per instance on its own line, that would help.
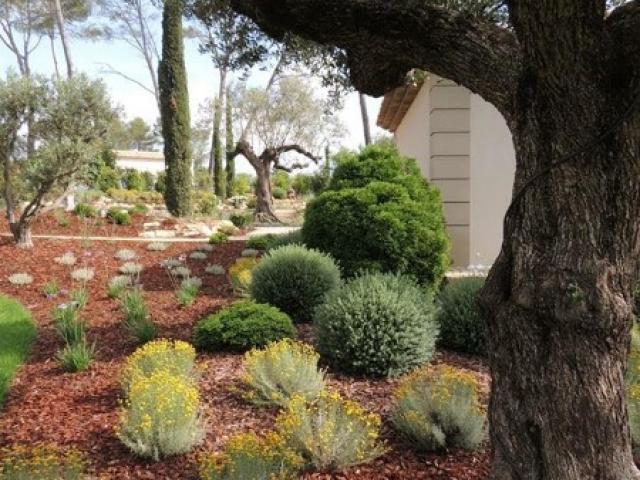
(80, 410)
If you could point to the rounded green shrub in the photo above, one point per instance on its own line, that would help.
(84, 210)
(241, 220)
(279, 193)
(380, 325)
(118, 216)
(243, 326)
(461, 326)
(294, 279)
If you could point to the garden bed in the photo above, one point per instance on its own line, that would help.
(81, 410)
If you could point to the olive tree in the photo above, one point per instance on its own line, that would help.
(565, 75)
(69, 120)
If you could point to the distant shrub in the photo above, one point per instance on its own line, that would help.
(136, 316)
(439, 408)
(227, 229)
(84, 210)
(125, 254)
(51, 289)
(242, 326)
(181, 272)
(188, 291)
(241, 274)
(161, 182)
(294, 279)
(274, 375)
(133, 180)
(108, 178)
(83, 275)
(279, 193)
(139, 209)
(249, 252)
(205, 203)
(41, 462)
(241, 220)
(69, 327)
(215, 270)
(131, 268)
(130, 196)
(79, 297)
(118, 285)
(218, 238)
(61, 218)
(461, 326)
(381, 325)
(20, 279)
(271, 241)
(157, 246)
(260, 242)
(198, 256)
(161, 416)
(302, 184)
(249, 457)
(205, 247)
(119, 217)
(315, 430)
(76, 357)
(67, 259)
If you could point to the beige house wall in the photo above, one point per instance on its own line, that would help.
(412, 135)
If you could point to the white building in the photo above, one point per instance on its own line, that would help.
(152, 162)
(463, 146)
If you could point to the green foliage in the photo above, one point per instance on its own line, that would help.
(17, 332)
(136, 316)
(51, 289)
(161, 182)
(461, 327)
(119, 216)
(84, 210)
(260, 242)
(132, 196)
(139, 209)
(76, 357)
(218, 238)
(118, 285)
(62, 218)
(294, 279)
(241, 220)
(133, 180)
(242, 184)
(174, 109)
(206, 203)
(108, 177)
(188, 291)
(69, 327)
(437, 409)
(79, 297)
(381, 226)
(302, 184)
(242, 326)
(279, 193)
(41, 462)
(280, 179)
(282, 371)
(379, 325)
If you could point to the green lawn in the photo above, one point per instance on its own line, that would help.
(17, 332)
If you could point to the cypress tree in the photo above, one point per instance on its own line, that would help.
(174, 110)
(230, 167)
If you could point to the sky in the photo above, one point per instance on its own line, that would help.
(90, 57)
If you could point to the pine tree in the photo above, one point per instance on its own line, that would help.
(174, 103)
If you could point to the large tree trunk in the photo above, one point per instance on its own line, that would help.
(230, 167)
(216, 167)
(365, 119)
(558, 300)
(63, 36)
(21, 232)
(264, 200)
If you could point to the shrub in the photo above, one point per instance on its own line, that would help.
(20, 279)
(41, 462)
(249, 457)
(161, 416)
(119, 217)
(260, 242)
(51, 289)
(118, 285)
(461, 326)
(227, 229)
(284, 369)
(242, 326)
(136, 316)
(198, 256)
(161, 182)
(68, 326)
(294, 279)
(241, 274)
(157, 246)
(79, 297)
(181, 271)
(61, 218)
(250, 252)
(125, 254)
(206, 203)
(131, 268)
(67, 259)
(83, 275)
(215, 270)
(188, 291)
(84, 210)
(130, 196)
(271, 241)
(172, 356)
(302, 184)
(218, 238)
(279, 193)
(439, 408)
(330, 433)
(108, 178)
(378, 324)
(139, 209)
(133, 180)
(241, 220)
(76, 357)
(205, 247)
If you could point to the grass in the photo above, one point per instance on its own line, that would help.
(17, 332)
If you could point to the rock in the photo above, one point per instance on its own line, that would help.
(151, 225)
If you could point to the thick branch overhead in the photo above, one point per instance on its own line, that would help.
(384, 40)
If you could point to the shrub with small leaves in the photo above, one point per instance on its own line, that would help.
(241, 220)
(69, 327)
(378, 324)
(76, 357)
(198, 256)
(227, 229)
(279, 193)
(131, 268)
(83, 275)
(67, 259)
(260, 242)
(161, 416)
(172, 263)
(51, 289)
(84, 210)
(330, 433)
(241, 274)
(79, 297)
(41, 462)
(139, 209)
(157, 246)
(119, 216)
(136, 316)
(218, 238)
(250, 252)
(461, 326)
(118, 285)
(20, 279)
(281, 371)
(125, 255)
(242, 326)
(205, 247)
(173, 356)
(439, 408)
(272, 241)
(215, 270)
(249, 457)
(183, 272)
(188, 291)
(294, 279)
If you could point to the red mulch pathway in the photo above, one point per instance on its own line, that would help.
(80, 410)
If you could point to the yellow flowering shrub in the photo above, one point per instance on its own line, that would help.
(438, 408)
(330, 433)
(633, 385)
(240, 274)
(175, 357)
(41, 462)
(161, 416)
(286, 368)
(249, 457)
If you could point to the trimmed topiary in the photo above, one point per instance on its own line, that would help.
(243, 326)
(461, 327)
(380, 216)
(380, 325)
(294, 279)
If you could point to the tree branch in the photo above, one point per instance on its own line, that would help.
(384, 40)
(298, 149)
(112, 71)
(624, 25)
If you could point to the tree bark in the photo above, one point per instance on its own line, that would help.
(264, 200)
(63, 36)
(230, 167)
(365, 119)
(21, 232)
(216, 161)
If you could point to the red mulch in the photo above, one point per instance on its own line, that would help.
(47, 405)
